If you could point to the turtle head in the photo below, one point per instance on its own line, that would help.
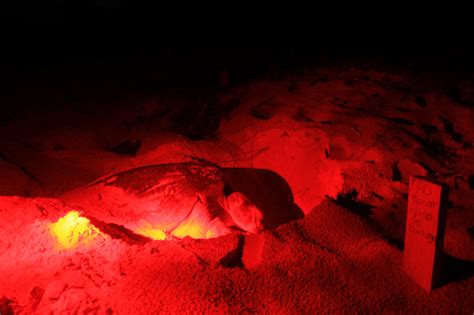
(244, 213)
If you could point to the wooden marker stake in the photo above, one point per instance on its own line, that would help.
(424, 236)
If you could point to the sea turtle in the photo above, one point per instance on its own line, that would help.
(168, 200)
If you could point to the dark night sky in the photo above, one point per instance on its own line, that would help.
(56, 28)
(68, 38)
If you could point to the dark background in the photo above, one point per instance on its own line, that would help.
(61, 52)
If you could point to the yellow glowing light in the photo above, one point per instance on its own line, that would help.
(200, 229)
(154, 234)
(145, 228)
(157, 232)
(193, 227)
(72, 229)
(190, 228)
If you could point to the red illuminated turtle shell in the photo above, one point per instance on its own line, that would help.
(181, 199)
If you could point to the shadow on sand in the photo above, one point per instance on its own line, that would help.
(455, 270)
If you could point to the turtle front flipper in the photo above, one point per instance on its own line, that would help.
(244, 212)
